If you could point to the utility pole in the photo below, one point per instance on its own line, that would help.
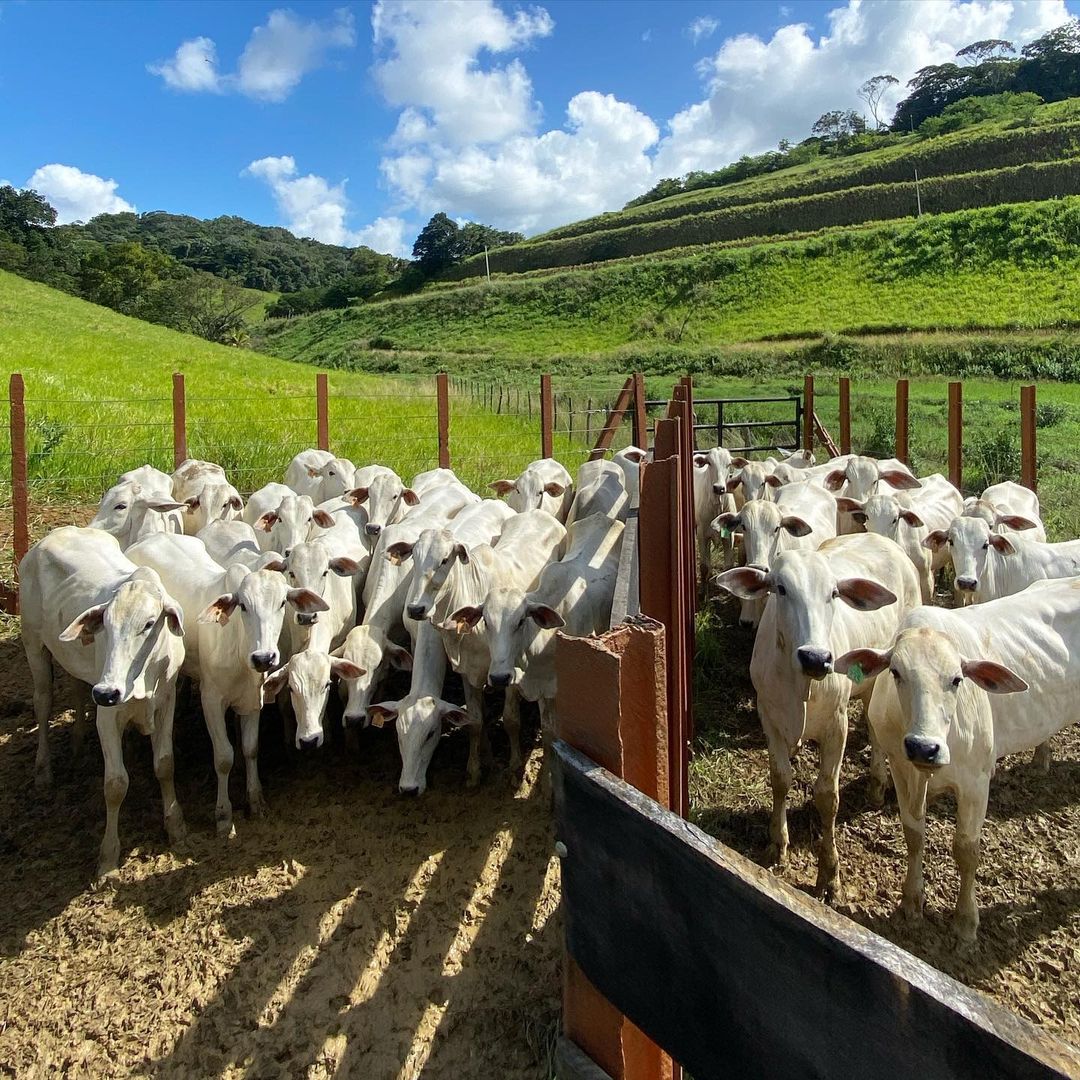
(487, 263)
(918, 196)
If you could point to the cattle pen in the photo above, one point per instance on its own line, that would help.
(390, 946)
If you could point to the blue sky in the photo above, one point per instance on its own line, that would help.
(355, 122)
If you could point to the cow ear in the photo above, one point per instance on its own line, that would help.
(275, 562)
(863, 594)
(545, 617)
(306, 601)
(502, 487)
(235, 503)
(725, 524)
(835, 480)
(464, 619)
(847, 505)
(462, 552)
(796, 526)
(399, 657)
(410, 498)
(174, 618)
(313, 473)
(220, 610)
(454, 715)
(266, 521)
(744, 582)
(774, 481)
(1014, 521)
(275, 682)
(936, 540)
(164, 506)
(399, 552)
(386, 712)
(700, 460)
(739, 462)
(899, 479)
(345, 669)
(912, 519)
(191, 505)
(343, 566)
(733, 483)
(991, 677)
(1001, 544)
(862, 664)
(86, 625)
(554, 489)
(357, 495)
(323, 518)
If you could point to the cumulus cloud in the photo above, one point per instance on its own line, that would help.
(702, 27)
(77, 196)
(274, 61)
(388, 235)
(761, 91)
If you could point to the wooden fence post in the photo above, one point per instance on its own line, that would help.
(546, 417)
(845, 415)
(20, 509)
(640, 419)
(179, 420)
(443, 395)
(322, 411)
(1028, 467)
(956, 433)
(808, 412)
(902, 420)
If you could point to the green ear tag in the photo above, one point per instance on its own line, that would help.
(725, 532)
(855, 673)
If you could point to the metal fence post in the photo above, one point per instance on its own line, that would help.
(19, 493)
(640, 418)
(179, 420)
(808, 412)
(902, 420)
(845, 415)
(956, 433)
(1028, 464)
(322, 411)
(443, 397)
(546, 416)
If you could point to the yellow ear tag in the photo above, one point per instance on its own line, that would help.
(855, 673)
(378, 721)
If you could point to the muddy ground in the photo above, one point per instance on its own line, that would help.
(353, 933)
(1028, 955)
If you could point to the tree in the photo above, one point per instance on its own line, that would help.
(438, 245)
(23, 214)
(979, 52)
(872, 91)
(474, 237)
(123, 276)
(837, 127)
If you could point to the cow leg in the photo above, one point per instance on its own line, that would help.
(474, 706)
(512, 723)
(911, 797)
(1040, 760)
(161, 739)
(879, 771)
(110, 728)
(249, 733)
(780, 776)
(704, 560)
(827, 801)
(214, 715)
(970, 814)
(41, 669)
(83, 707)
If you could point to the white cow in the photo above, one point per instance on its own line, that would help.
(236, 617)
(630, 459)
(756, 480)
(264, 501)
(304, 474)
(953, 704)
(112, 625)
(451, 581)
(543, 485)
(932, 507)
(386, 500)
(850, 593)
(128, 511)
(327, 571)
(712, 470)
(295, 520)
(229, 542)
(575, 594)
(599, 489)
(206, 493)
(802, 517)
(309, 675)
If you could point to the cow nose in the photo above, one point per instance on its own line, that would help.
(263, 661)
(499, 680)
(307, 618)
(746, 624)
(817, 663)
(106, 695)
(719, 489)
(354, 721)
(372, 529)
(310, 744)
(921, 751)
(403, 790)
(287, 552)
(416, 611)
(966, 583)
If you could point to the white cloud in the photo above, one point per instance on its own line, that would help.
(192, 68)
(277, 56)
(762, 91)
(77, 196)
(312, 206)
(702, 27)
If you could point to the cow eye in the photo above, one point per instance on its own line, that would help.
(895, 674)
(292, 575)
(781, 590)
(326, 573)
(243, 607)
(149, 625)
(329, 684)
(957, 680)
(331, 473)
(835, 593)
(120, 506)
(986, 545)
(283, 605)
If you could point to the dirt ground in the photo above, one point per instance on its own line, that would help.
(352, 933)
(1028, 955)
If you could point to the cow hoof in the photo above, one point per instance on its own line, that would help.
(775, 855)
(177, 831)
(257, 806)
(226, 830)
(876, 795)
(829, 890)
(107, 869)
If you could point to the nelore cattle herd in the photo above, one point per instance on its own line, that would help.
(342, 573)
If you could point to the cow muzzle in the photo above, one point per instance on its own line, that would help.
(358, 721)
(107, 696)
(417, 611)
(372, 530)
(309, 744)
(410, 791)
(305, 618)
(966, 584)
(500, 680)
(263, 661)
(817, 663)
(926, 753)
